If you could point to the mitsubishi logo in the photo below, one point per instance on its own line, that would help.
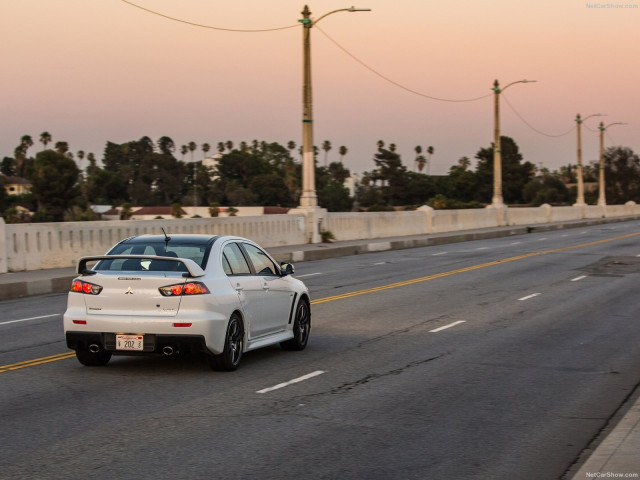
(129, 291)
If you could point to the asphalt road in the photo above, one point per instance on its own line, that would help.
(490, 359)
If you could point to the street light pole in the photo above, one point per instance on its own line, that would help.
(497, 201)
(601, 197)
(580, 198)
(309, 199)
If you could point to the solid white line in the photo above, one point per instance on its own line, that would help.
(578, 278)
(444, 253)
(447, 326)
(529, 296)
(290, 382)
(380, 263)
(482, 248)
(515, 243)
(308, 274)
(32, 318)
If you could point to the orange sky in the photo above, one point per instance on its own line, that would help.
(90, 72)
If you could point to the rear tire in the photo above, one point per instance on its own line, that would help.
(301, 328)
(230, 357)
(90, 359)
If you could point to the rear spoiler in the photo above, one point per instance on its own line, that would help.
(193, 268)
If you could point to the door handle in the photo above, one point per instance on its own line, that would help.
(265, 286)
(239, 287)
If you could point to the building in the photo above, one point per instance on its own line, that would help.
(16, 185)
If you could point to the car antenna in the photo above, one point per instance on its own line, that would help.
(167, 239)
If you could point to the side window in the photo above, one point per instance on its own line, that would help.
(233, 261)
(261, 262)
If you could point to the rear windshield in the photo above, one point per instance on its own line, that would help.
(194, 252)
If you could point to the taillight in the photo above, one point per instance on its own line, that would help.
(85, 287)
(191, 288)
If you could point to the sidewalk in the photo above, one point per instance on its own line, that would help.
(617, 449)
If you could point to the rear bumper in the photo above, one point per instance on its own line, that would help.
(153, 343)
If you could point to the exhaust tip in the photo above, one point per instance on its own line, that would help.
(168, 351)
(94, 348)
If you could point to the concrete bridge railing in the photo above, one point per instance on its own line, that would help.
(58, 245)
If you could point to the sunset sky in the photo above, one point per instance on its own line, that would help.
(94, 71)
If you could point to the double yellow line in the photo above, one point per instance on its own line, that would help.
(37, 361)
(62, 356)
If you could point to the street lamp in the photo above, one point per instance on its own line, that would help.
(580, 198)
(601, 198)
(497, 201)
(308, 199)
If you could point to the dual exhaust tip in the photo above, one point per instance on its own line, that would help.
(167, 350)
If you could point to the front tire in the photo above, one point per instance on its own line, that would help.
(301, 328)
(90, 359)
(230, 357)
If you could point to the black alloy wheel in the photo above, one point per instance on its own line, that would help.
(301, 328)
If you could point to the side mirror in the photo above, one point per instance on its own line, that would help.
(287, 269)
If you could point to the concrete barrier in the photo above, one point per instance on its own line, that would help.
(59, 245)
(56, 245)
(371, 225)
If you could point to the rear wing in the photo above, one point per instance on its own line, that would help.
(194, 270)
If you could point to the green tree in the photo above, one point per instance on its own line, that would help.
(342, 151)
(192, 148)
(622, 175)
(515, 173)
(45, 139)
(62, 147)
(205, 149)
(326, 146)
(166, 145)
(53, 184)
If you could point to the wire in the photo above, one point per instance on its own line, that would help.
(531, 126)
(387, 79)
(205, 26)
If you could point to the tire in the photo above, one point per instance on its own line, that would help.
(230, 357)
(301, 328)
(90, 359)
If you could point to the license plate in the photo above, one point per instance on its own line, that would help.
(130, 342)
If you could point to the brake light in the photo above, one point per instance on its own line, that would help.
(85, 287)
(191, 288)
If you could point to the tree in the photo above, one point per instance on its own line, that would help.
(229, 145)
(166, 145)
(430, 151)
(622, 175)
(183, 151)
(62, 147)
(8, 167)
(291, 145)
(326, 146)
(515, 174)
(392, 172)
(221, 147)
(418, 150)
(380, 144)
(53, 185)
(192, 148)
(342, 151)
(45, 138)
(205, 149)
(80, 157)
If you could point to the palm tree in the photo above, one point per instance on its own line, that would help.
(229, 145)
(192, 148)
(220, 147)
(418, 150)
(244, 147)
(183, 151)
(255, 144)
(326, 146)
(62, 147)
(430, 151)
(380, 144)
(291, 145)
(464, 162)
(420, 160)
(205, 149)
(342, 151)
(45, 137)
(392, 147)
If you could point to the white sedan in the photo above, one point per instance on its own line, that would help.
(163, 294)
